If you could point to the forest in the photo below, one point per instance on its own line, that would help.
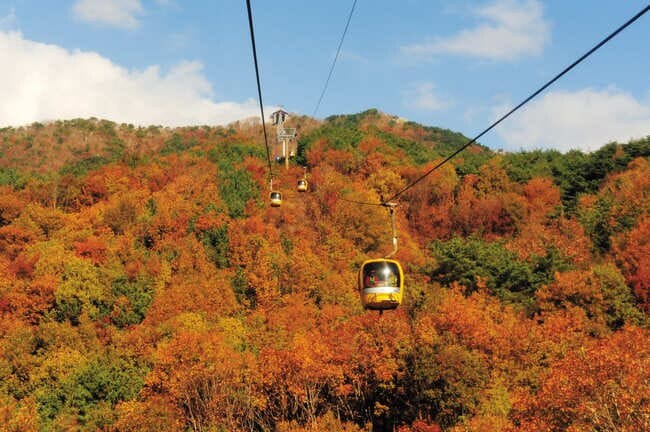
(147, 285)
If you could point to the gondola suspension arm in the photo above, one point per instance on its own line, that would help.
(391, 210)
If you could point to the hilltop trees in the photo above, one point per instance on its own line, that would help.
(146, 285)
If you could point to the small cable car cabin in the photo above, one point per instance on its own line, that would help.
(381, 284)
(276, 199)
(302, 185)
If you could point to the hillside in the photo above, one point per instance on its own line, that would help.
(145, 283)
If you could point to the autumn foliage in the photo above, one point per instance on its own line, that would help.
(146, 285)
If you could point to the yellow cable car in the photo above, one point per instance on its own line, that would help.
(381, 284)
(302, 185)
(276, 199)
(381, 281)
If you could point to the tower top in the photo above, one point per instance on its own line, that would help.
(279, 117)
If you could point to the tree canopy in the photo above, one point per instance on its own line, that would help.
(145, 283)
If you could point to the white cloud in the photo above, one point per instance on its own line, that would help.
(114, 13)
(47, 82)
(584, 120)
(422, 97)
(509, 29)
(8, 22)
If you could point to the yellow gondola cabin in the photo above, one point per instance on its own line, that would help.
(302, 185)
(381, 284)
(276, 199)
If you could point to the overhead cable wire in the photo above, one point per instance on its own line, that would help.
(362, 202)
(338, 51)
(524, 102)
(259, 87)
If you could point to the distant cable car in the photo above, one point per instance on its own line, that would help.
(276, 199)
(381, 281)
(381, 284)
(275, 196)
(302, 185)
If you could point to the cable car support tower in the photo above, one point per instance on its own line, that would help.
(284, 135)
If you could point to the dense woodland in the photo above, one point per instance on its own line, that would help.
(146, 284)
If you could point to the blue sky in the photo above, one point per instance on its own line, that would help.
(453, 64)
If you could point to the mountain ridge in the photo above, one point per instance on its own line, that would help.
(146, 283)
